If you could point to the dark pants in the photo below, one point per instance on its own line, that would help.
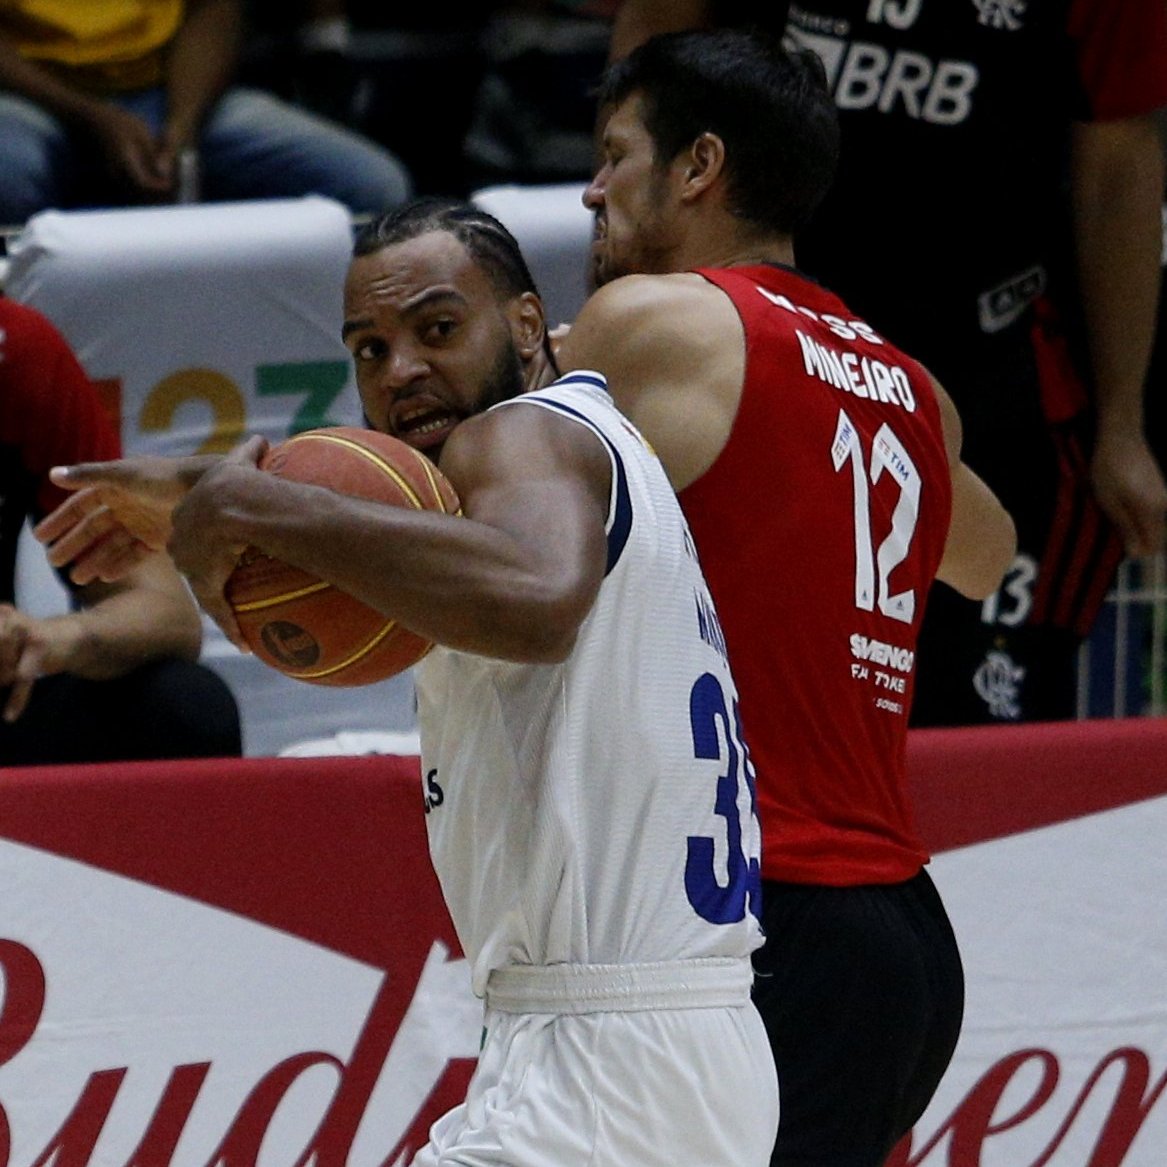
(1027, 433)
(167, 709)
(862, 993)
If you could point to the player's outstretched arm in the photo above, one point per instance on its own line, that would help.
(512, 578)
(120, 514)
(982, 539)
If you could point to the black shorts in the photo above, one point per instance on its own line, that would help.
(862, 993)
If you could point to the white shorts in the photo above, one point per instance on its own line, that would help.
(656, 1074)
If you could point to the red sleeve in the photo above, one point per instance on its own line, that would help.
(49, 409)
(1122, 55)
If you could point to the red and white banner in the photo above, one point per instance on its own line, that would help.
(1053, 867)
(225, 963)
(248, 964)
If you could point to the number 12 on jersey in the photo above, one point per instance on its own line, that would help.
(873, 569)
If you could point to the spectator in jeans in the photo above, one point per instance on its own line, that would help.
(106, 105)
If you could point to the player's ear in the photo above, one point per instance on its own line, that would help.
(528, 324)
(704, 163)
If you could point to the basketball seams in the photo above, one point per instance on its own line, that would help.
(305, 627)
(358, 655)
(408, 488)
(282, 598)
(391, 472)
(427, 468)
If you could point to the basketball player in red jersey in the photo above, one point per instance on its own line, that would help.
(819, 468)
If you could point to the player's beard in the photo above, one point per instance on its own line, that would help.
(505, 378)
(644, 245)
(503, 381)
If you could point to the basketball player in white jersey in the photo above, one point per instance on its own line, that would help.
(589, 800)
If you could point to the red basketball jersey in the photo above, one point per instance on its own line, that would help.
(820, 528)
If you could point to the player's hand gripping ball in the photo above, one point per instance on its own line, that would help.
(302, 625)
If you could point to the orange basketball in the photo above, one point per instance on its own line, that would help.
(302, 625)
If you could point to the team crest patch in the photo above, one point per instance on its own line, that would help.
(1006, 14)
(997, 682)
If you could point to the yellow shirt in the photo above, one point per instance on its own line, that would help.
(99, 45)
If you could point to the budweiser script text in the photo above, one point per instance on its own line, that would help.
(1018, 1089)
(427, 1082)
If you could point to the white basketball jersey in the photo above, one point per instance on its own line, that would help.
(600, 810)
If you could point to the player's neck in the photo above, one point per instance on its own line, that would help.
(539, 371)
(733, 248)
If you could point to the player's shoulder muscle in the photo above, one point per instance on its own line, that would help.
(635, 323)
(508, 448)
(672, 350)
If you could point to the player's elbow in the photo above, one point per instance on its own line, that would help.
(1005, 550)
(976, 565)
(546, 614)
(186, 632)
(548, 652)
(546, 633)
(982, 539)
(525, 645)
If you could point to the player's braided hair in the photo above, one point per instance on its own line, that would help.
(490, 244)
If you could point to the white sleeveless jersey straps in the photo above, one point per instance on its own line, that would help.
(601, 810)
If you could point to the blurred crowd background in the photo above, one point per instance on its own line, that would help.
(373, 102)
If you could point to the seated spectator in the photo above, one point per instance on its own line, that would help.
(129, 103)
(362, 62)
(117, 678)
(302, 53)
(535, 110)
